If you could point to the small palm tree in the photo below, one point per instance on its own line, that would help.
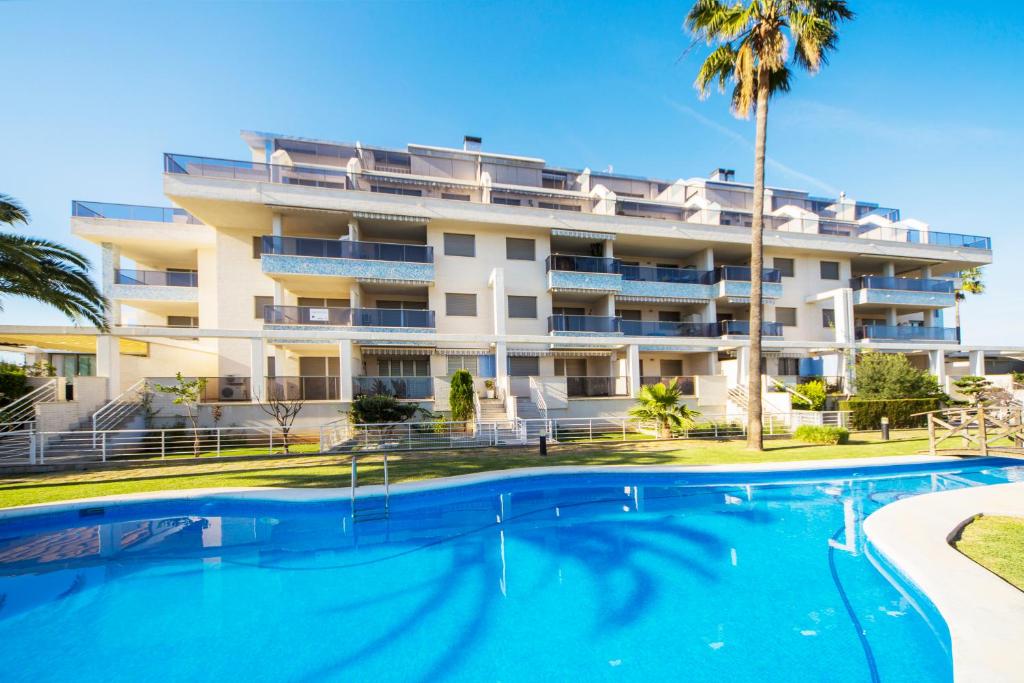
(971, 282)
(752, 39)
(46, 271)
(660, 404)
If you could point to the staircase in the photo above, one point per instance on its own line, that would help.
(738, 395)
(491, 410)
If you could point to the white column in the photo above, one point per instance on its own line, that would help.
(608, 249)
(501, 363)
(497, 282)
(937, 366)
(977, 363)
(111, 262)
(890, 317)
(277, 225)
(889, 269)
(633, 368)
(345, 363)
(842, 303)
(929, 318)
(609, 305)
(742, 365)
(355, 297)
(108, 362)
(353, 230)
(257, 369)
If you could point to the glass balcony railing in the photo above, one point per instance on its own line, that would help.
(597, 387)
(906, 333)
(660, 274)
(371, 251)
(399, 387)
(158, 278)
(132, 212)
(687, 385)
(348, 317)
(742, 327)
(584, 323)
(582, 264)
(743, 273)
(304, 388)
(659, 328)
(902, 284)
(226, 389)
(209, 167)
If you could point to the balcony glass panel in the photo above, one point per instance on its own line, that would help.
(357, 317)
(597, 386)
(656, 274)
(583, 323)
(132, 212)
(742, 327)
(399, 387)
(159, 278)
(209, 167)
(657, 328)
(371, 251)
(902, 284)
(906, 333)
(226, 389)
(303, 388)
(743, 273)
(687, 385)
(582, 264)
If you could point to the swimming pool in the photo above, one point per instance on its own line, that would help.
(595, 576)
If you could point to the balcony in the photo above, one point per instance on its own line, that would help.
(157, 278)
(734, 282)
(349, 317)
(345, 258)
(687, 385)
(155, 285)
(304, 388)
(254, 171)
(584, 324)
(226, 390)
(596, 387)
(875, 289)
(583, 273)
(658, 328)
(911, 333)
(132, 212)
(667, 283)
(729, 328)
(399, 387)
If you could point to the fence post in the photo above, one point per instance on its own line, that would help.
(982, 430)
(163, 444)
(103, 453)
(218, 441)
(271, 451)
(31, 447)
(385, 477)
(716, 430)
(931, 433)
(623, 429)
(590, 424)
(42, 448)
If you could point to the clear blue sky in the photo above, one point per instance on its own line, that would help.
(920, 109)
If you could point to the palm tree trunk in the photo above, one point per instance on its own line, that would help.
(956, 310)
(755, 439)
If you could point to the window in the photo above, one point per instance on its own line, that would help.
(404, 367)
(407, 305)
(668, 265)
(459, 245)
(785, 316)
(384, 189)
(319, 366)
(568, 310)
(786, 266)
(522, 306)
(570, 367)
(456, 197)
(629, 314)
(507, 201)
(257, 246)
(523, 366)
(258, 303)
(554, 180)
(460, 304)
(829, 270)
(789, 366)
(558, 207)
(669, 316)
(182, 321)
(671, 368)
(468, 363)
(517, 249)
(828, 317)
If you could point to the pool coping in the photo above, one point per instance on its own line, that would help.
(984, 613)
(310, 494)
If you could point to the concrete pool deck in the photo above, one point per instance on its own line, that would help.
(984, 613)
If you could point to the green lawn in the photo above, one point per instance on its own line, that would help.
(996, 543)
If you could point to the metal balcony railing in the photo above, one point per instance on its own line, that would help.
(902, 284)
(132, 212)
(597, 386)
(584, 323)
(304, 388)
(348, 317)
(906, 333)
(370, 251)
(658, 328)
(743, 273)
(742, 327)
(687, 385)
(159, 278)
(582, 264)
(226, 389)
(399, 387)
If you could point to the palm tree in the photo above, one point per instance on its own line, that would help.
(971, 282)
(660, 404)
(46, 271)
(752, 39)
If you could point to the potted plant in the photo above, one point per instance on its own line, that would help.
(489, 388)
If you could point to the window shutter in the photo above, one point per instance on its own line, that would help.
(786, 266)
(523, 366)
(517, 249)
(459, 245)
(522, 307)
(785, 316)
(829, 270)
(460, 304)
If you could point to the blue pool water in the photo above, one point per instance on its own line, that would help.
(603, 576)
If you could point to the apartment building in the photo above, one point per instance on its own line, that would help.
(327, 270)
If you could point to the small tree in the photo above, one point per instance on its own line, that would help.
(890, 375)
(284, 411)
(460, 396)
(814, 392)
(377, 408)
(976, 389)
(660, 404)
(188, 393)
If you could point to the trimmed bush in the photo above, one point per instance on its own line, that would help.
(813, 390)
(819, 434)
(460, 396)
(13, 385)
(868, 413)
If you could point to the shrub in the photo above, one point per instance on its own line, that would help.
(13, 384)
(460, 396)
(820, 434)
(375, 408)
(814, 391)
(891, 376)
(868, 413)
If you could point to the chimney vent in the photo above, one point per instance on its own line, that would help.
(471, 143)
(723, 174)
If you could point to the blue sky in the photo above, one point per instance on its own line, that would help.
(920, 109)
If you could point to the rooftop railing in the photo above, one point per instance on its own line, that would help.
(348, 317)
(132, 212)
(371, 251)
(902, 284)
(584, 323)
(906, 333)
(210, 167)
(158, 278)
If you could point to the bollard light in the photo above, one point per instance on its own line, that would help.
(543, 442)
(885, 429)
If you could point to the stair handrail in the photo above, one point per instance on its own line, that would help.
(22, 410)
(537, 388)
(117, 407)
(476, 410)
(789, 389)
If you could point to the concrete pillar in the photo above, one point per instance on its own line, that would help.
(497, 283)
(108, 362)
(977, 363)
(608, 249)
(345, 367)
(277, 225)
(353, 230)
(889, 269)
(111, 263)
(937, 366)
(501, 363)
(712, 364)
(705, 260)
(926, 272)
(929, 318)
(742, 365)
(257, 369)
(633, 368)
(609, 305)
(890, 317)
(842, 304)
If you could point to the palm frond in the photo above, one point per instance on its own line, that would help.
(11, 211)
(718, 67)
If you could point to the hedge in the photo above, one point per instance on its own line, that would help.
(13, 385)
(820, 434)
(868, 413)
